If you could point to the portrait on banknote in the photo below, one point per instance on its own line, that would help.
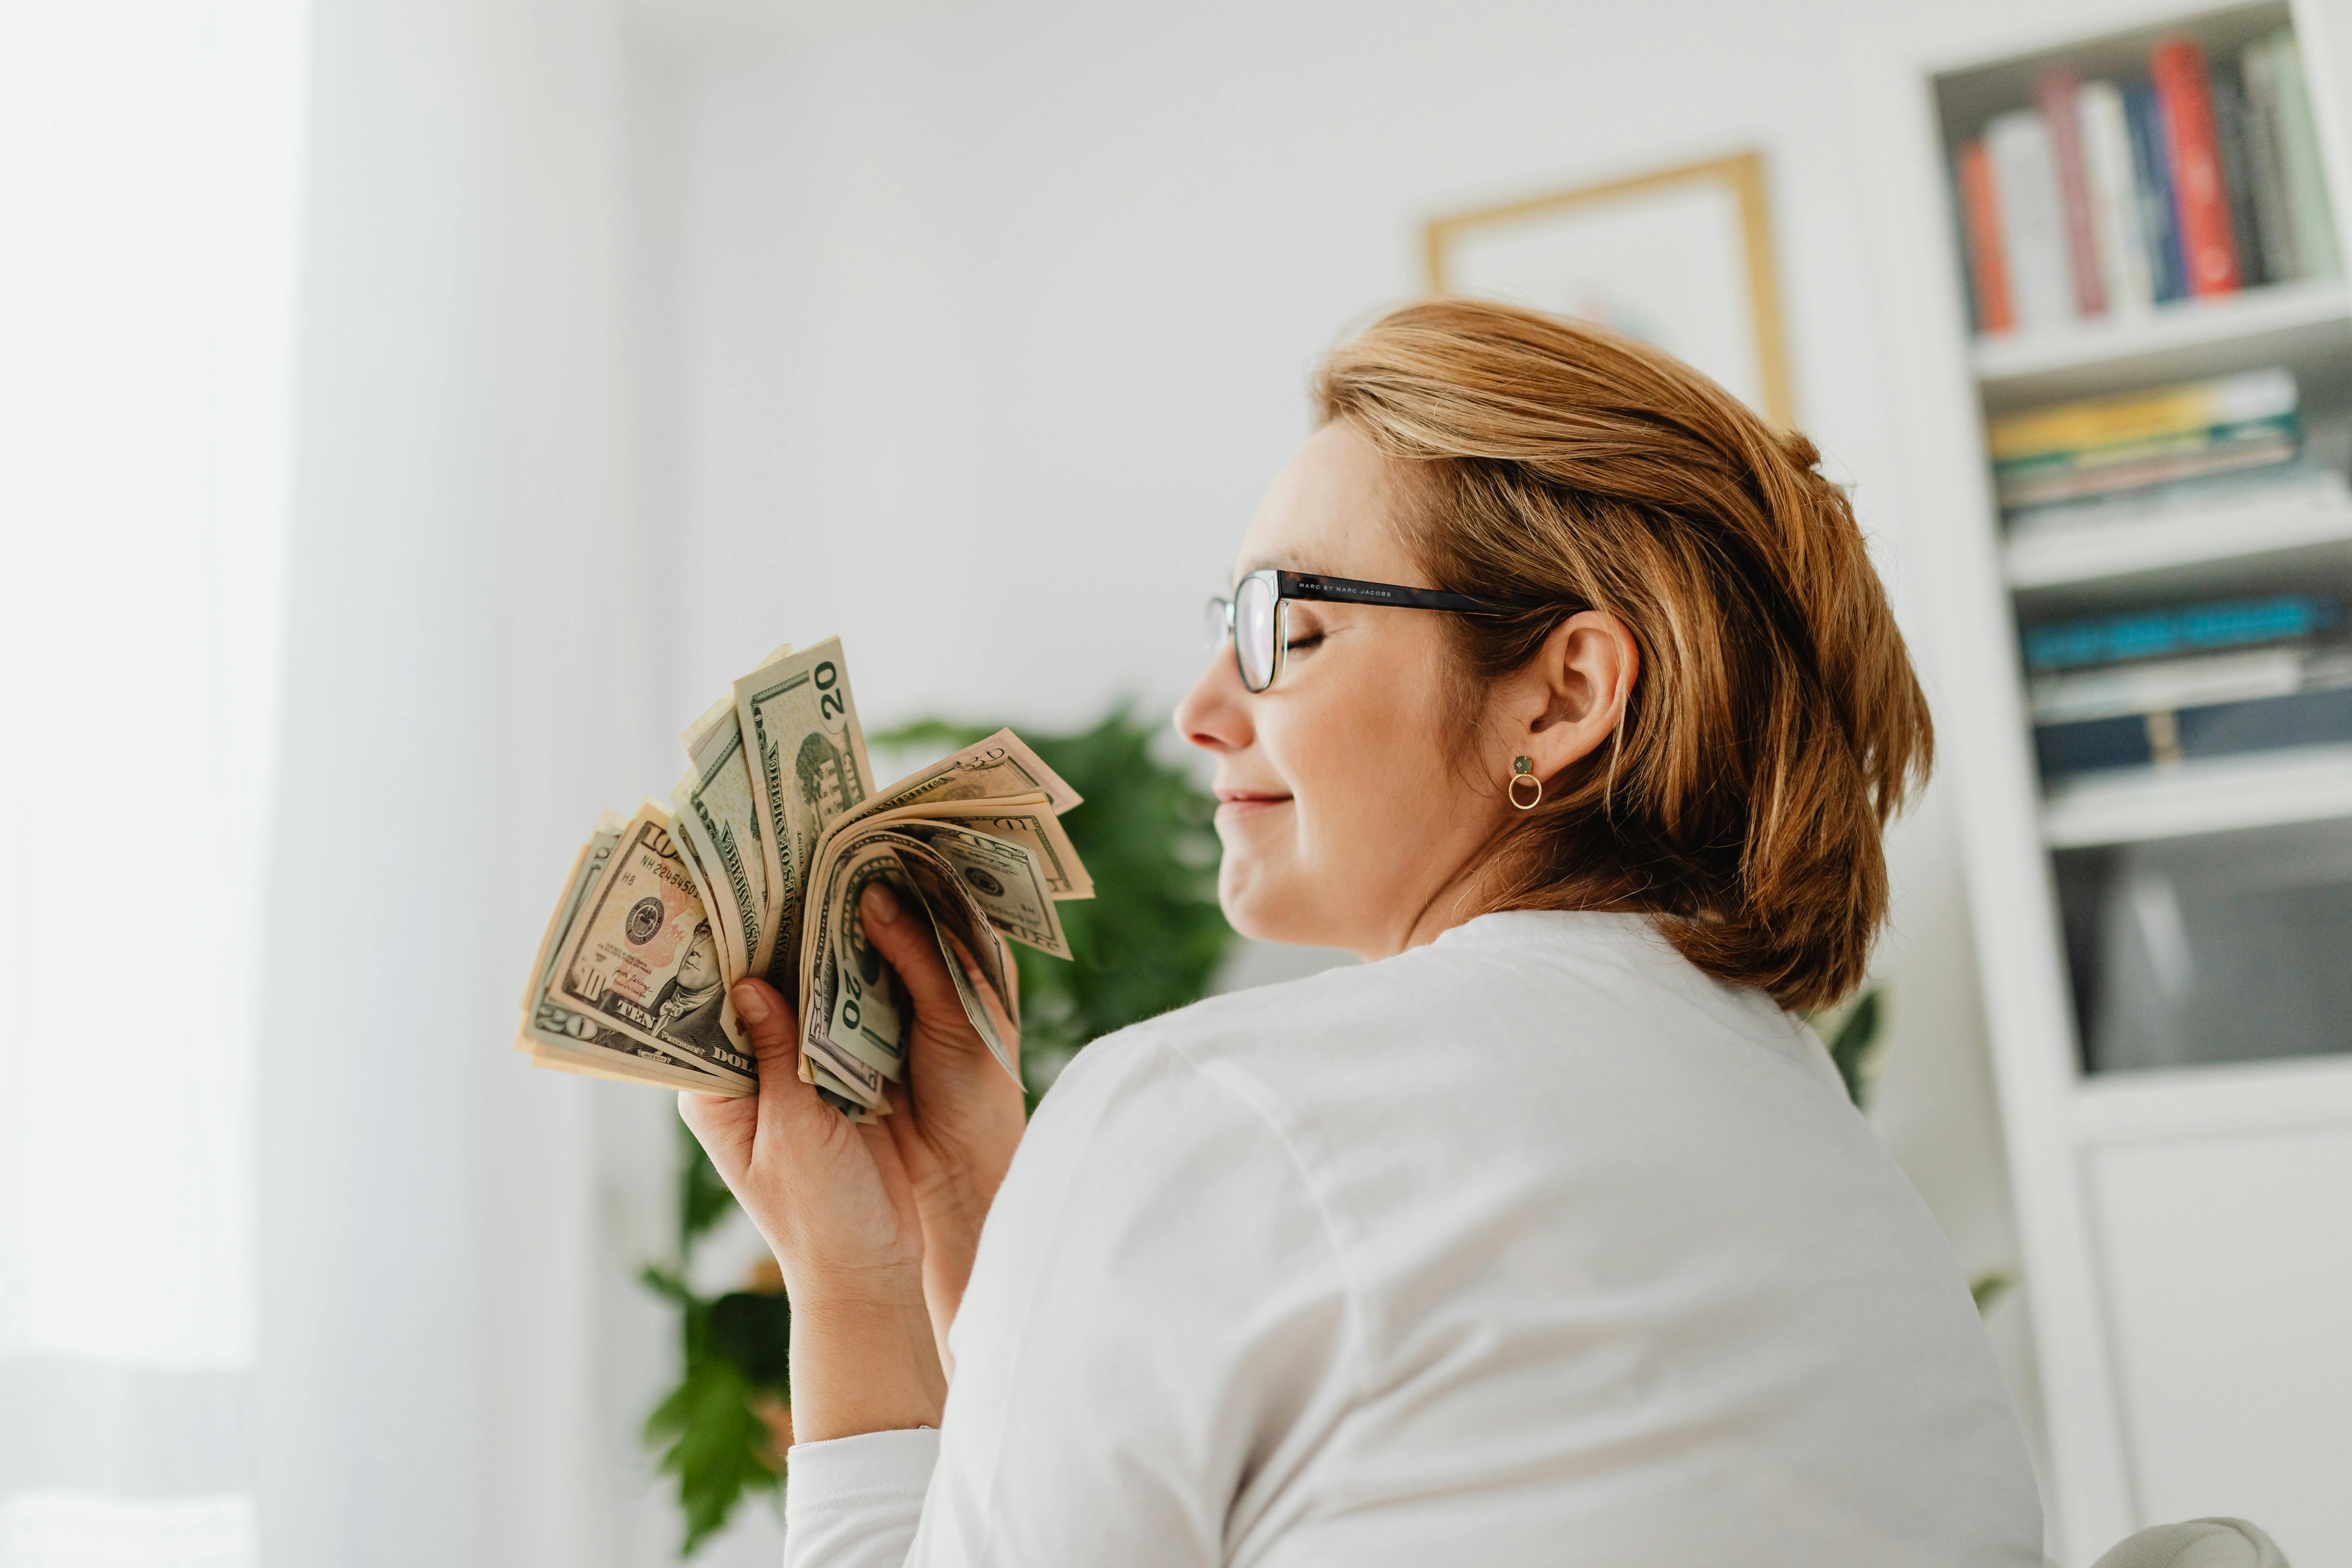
(685, 1009)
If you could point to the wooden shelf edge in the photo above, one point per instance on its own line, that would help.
(2220, 795)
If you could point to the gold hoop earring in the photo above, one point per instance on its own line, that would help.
(1523, 771)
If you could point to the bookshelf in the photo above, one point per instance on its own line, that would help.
(2306, 326)
(2180, 1216)
(2211, 795)
(2224, 547)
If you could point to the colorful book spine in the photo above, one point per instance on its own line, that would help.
(2152, 180)
(2200, 201)
(2240, 675)
(1981, 214)
(2228, 101)
(2056, 93)
(2199, 454)
(2168, 737)
(2189, 629)
(2095, 422)
(2105, 139)
(2266, 169)
(2306, 178)
(2033, 219)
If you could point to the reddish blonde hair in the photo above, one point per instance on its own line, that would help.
(1775, 725)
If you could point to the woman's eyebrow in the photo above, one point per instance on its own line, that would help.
(1279, 563)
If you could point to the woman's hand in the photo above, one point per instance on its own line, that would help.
(834, 1202)
(958, 1117)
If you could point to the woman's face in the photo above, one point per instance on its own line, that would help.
(1346, 800)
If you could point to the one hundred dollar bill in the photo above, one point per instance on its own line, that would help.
(643, 955)
(799, 722)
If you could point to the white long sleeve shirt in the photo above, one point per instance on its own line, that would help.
(1531, 1246)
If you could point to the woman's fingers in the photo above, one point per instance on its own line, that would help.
(724, 1127)
(729, 1127)
(732, 1129)
(1006, 1029)
(904, 939)
(787, 1107)
(767, 1019)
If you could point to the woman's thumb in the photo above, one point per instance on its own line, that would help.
(906, 942)
(767, 1021)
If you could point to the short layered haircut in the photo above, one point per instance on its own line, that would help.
(1775, 725)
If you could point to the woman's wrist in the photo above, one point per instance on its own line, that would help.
(863, 1360)
(953, 1207)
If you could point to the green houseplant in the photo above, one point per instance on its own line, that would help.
(1150, 940)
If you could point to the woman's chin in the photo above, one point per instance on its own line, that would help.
(1258, 905)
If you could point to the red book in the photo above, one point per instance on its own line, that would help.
(2201, 201)
(2053, 93)
(1981, 214)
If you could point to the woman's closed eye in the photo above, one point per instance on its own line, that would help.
(1303, 637)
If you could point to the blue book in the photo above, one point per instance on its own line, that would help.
(2192, 628)
(2222, 730)
(2159, 221)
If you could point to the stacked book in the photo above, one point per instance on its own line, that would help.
(2202, 445)
(2159, 686)
(2109, 198)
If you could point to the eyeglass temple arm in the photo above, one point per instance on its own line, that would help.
(1349, 591)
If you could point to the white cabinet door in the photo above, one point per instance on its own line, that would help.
(2227, 1266)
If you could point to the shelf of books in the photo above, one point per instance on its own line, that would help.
(2141, 441)
(2121, 334)
(2162, 348)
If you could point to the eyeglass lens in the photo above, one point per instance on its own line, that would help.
(1254, 606)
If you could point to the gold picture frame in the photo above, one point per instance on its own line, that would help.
(1690, 211)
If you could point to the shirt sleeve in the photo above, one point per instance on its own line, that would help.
(852, 1502)
(1156, 1341)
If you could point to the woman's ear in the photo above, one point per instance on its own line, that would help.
(1575, 690)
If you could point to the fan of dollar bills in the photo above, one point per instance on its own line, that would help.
(757, 865)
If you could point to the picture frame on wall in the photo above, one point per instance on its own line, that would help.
(1680, 258)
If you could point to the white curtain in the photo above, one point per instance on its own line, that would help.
(299, 1264)
(148, 163)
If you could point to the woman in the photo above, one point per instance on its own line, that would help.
(1560, 689)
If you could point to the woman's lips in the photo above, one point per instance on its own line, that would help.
(1232, 804)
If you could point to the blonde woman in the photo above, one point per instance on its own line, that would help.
(1558, 688)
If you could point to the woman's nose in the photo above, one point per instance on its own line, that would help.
(1214, 715)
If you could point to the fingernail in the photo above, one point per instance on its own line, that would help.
(881, 906)
(750, 1006)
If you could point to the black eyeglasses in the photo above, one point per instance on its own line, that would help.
(1257, 616)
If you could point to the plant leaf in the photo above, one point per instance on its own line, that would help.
(1856, 1039)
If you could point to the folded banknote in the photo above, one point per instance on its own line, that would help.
(757, 865)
